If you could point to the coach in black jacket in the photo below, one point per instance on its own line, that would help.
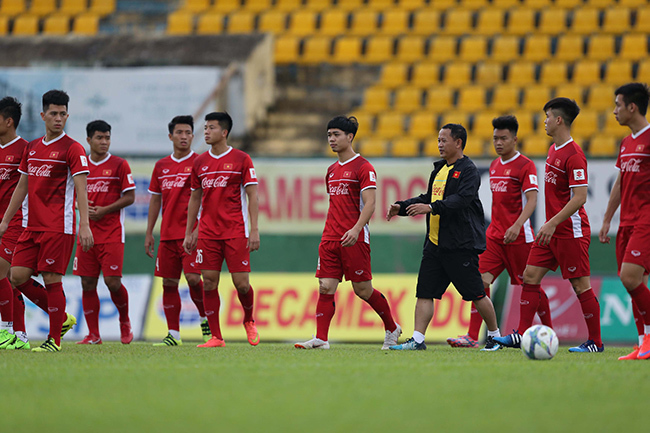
(455, 236)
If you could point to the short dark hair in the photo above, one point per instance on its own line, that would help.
(565, 108)
(97, 126)
(11, 108)
(458, 132)
(349, 125)
(55, 97)
(224, 119)
(635, 93)
(181, 120)
(508, 122)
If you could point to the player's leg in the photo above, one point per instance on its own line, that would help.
(195, 284)
(212, 304)
(6, 305)
(120, 297)
(90, 302)
(378, 302)
(21, 341)
(55, 306)
(246, 297)
(591, 313)
(169, 263)
(634, 280)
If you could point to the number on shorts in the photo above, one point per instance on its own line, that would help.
(199, 256)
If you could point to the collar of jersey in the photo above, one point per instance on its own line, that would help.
(564, 144)
(183, 158)
(10, 143)
(510, 160)
(633, 135)
(108, 155)
(219, 156)
(356, 155)
(47, 143)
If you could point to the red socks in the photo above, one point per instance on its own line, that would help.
(379, 303)
(247, 300)
(212, 304)
(638, 319)
(591, 312)
(56, 310)
(35, 293)
(196, 293)
(121, 301)
(19, 311)
(528, 305)
(6, 300)
(172, 306)
(325, 309)
(90, 302)
(544, 309)
(641, 297)
(475, 320)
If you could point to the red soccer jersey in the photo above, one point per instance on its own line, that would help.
(634, 163)
(51, 194)
(107, 181)
(566, 168)
(224, 204)
(10, 156)
(509, 182)
(345, 182)
(169, 179)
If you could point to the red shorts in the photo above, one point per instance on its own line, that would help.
(633, 246)
(105, 258)
(172, 259)
(572, 255)
(334, 261)
(211, 253)
(9, 240)
(44, 251)
(499, 256)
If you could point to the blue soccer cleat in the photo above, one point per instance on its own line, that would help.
(410, 344)
(588, 346)
(510, 340)
(491, 345)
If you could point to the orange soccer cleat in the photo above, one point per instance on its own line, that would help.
(644, 350)
(213, 342)
(633, 355)
(251, 333)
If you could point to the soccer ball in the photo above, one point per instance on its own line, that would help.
(539, 342)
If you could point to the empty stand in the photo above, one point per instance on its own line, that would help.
(405, 147)
(426, 74)
(86, 24)
(210, 23)
(379, 49)
(394, 74)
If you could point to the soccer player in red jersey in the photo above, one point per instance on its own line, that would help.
(110, 190)
(53, 174)
(224, 187)
(513, 181)
(345, 245)
(563, 240)
(170, 189)
(631, 191)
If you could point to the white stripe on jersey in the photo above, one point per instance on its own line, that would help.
(68, 209)
(244, 209)
(366, 229)
(528, 230)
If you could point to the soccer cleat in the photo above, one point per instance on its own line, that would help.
(48, 346)
(251, 333)
(314, 343)
(90, 339)
(6, 338)
(205, 330)
(126, 334)
(391, 337)
(169, 341)
(510, 340)
(213, 342)
(633, 355)
(70, 321)
(491, 345)
(19, 344)
(462, 341)
(644, 349)
(587, 346)
(409, 344)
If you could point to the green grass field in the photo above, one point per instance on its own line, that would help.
(352, 387)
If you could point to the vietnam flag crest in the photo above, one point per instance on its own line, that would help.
(107, 172)
(456, 174)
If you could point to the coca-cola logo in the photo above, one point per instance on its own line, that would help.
(5, 173)
(179, 182)
(44, 170)
(501, 186)
(99, 186)
(217, 182)
(550, 178)
(340, 189)
(632, 165)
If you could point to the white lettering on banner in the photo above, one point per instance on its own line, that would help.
(501, 186)
(5, 173)
(179, 182)
(40, 171)
(218, 182)
(99, 186)
(550, 177)
(632, 165)
(340, 189)
(612, 304)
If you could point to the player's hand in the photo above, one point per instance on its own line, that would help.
(253, 243)
(96, 213)
(392, 211)
(603, 235)
(86, 237)
(350, 237)
(511, 234)
(149, 244)
(418, 209)
(190, 241)
(3, 229)
(545, 233)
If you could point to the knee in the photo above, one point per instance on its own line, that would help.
(113, 284)
(530, 277)
(325, 289)
(630, 282)
(17, 279)
(193, 279)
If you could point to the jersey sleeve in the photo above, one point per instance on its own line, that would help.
(577, 170)
(77, 159)
(367, 176)
(23, 168)
(154, 184)
(126, 177)
(529, 177)
(248, 172)
(618, 157)
(195, 181)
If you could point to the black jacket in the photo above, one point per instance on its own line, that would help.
(462, 222)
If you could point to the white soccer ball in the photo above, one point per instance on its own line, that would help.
(539, 342)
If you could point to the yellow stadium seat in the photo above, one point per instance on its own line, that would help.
(643, 73)
(553, 73)
(394, 75)
(535, 97)
(571, 91)
(411, 5)
(473, 5)
(350, 5)
(379, 49)
(616, 20)
(405, 147)
(408, 99)
(102, 7)
(505, 98)
(537, 48)
(537, 145)
(241, 22)
(12, 8)
(225, 6)
(293, 5)
(390, 125)
(526, 125)
(273, 21)
(505, 4)
(586, 72)
(475, 146)
(612, 127)
(473, 48)
(601, 97)
(642, 23)
(521, 21)
(632, 3)
(442, 4)
(286, 49)
(442, 48)
(489, 73)
(537, 4)
(471, 98)
(423, 125)
(373, 146)
(366, 123)
(192, 6)
(634, 46)
(586, 124)
(603, 145)
(395, 22)
(25, 25)
(4, 25)
(482, 125)
(72, 7)
(440, 99)
(521, 73)
(210, 23)
(180, 23)
(86, 24)
(552, 21)
(618, 72)
(585, 21)
(364, 22)
(505, 48)
(458, 74)
(333, 22)
(601, 47)
(425, 74)
(317, 5)
(490, 22)
(458, 22)
(380, 5)
(258, 5)
(426, 22)
(303, 22)
(316, 50)
(454, 117)
(410, 48)
(570, 47)
(431, 147)
(376, 100)
(42, 8)
(599, 3)
(57, 25)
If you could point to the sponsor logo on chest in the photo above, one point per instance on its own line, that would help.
(44, 170)
(5, 173)
(550, 177)
(99, 186)
(179, 182)
(632, 165)
(340, 189)
(500, 186)
(217, 182)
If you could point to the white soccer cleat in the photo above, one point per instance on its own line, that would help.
(314, 343)
(391, 338)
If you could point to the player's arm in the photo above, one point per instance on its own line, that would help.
(98, 212)
(513, 231)
(253, 212)
(85, 235)
(17, 198)
(613, 204)
(155, 203)
(578, 200)
(399, 207)
(191, 236)
(369, 196)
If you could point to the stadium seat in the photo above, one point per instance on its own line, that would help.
(258, 5)
(601, 47)
(585, 21)
(612, 127)
(440, 99)
(302, 22)
(41, 8)
(431, 147)
(241, 22)
(211, 23)
(102, 8)
(457, 22)
(180, 23)
(395, 22)
(505, 48)
(489, 73)
(373, 147)
(456, 116)
(394, 75)
(601, 97)
(410, 48)
(526, 126)
(643, 71)
(482, 125)
(376, 100)
(333, 22)
(25, 25)
(74, 7)
(317, 5)
(505, 4)
(634, 46)
(442, 49)
(364, 22)
(350, 5)
(316, 49)
(570, 47)
(571, 91)
(586, 72)
(521, 21)
(586, 124)
(379, 49)
(642, 23)
(471, 98)
(191, 6)
(225, 6)
(411, 5)
(632, 3)
(442, 5)
(490, 22)
(293, 5)
(537, 4)
(426, 22)
(423, 124)
(537, 48)
(505, 98)
(425, 74)
(56, 25)
(599, 3)
(366, 123)
(287, 49)
(618, 72)
(390, 125)
(615, 20)
(553, 73)
(408, 99)
(552, 21)
(473, 48)
(380, 5)
(603, 145)
(475, 147)
(534, 97)
(536, 145)
(12, 8)
(458, 74)
(521, 73)
(405, 147)
(86, 24)
(4, 25)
